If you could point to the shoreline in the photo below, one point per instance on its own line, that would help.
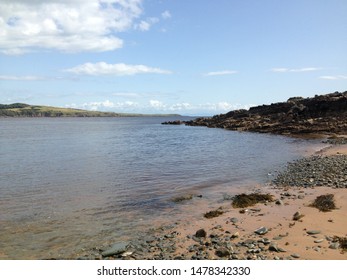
(232, 235)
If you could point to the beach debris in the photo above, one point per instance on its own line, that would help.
(324, 203)
(201, 233)
(245, 200)
(213, 214)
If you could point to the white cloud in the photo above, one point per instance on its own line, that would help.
(106, 105)
(220, 73)
(166, 14)
(145, 25)
(285, 70)
(20, 78)
(65, 25)
(157, 106)
(338, 77)
(119, 69)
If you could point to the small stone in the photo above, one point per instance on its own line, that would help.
(312, 232)
(116, 249)
(297, 216)
(234, 220)
(223, 252)
(334, 246)
(273, 247)
(261, 231)
(235, 235)
(201, 233)
(295, 256)
(319, 241)
(279, 202)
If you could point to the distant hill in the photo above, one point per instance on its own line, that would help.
(26, 110)
(322, 114)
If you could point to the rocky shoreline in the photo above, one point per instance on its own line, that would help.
(322, 114)
(286, 227)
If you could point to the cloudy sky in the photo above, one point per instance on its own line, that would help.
(193, 57)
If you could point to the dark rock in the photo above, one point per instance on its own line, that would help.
(201, 233)
(320, 114)
(313, 232)
(297, 216)
(223, 252)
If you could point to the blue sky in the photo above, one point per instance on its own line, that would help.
(194, 57)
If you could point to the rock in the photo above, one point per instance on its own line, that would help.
(319, 241)
(116, 249)
(201, 233)
(234, 220)
(297, 216)
(295, 256)
(319, 114)
(273, 247)
(261, 231)
(222, 252)
(313, 232)
(235, 235)
(334, 245)
(279, 202)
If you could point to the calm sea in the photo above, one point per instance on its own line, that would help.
(70, 184)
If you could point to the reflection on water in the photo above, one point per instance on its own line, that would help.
(71, 184)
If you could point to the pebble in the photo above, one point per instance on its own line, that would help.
(334, 245)
(295, 256)
(261, 230)
(312, 232)
(116, 249)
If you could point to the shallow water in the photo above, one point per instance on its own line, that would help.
(69, 184)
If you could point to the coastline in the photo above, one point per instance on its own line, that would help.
(231, 235)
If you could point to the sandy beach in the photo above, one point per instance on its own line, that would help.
(232, 235)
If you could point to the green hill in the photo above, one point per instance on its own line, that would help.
(25, 110)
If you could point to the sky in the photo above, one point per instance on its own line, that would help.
(192, 57)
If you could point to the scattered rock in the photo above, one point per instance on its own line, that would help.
(313, 232)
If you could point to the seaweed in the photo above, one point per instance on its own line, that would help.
(213, 214)
(324, 203)
(245, 200)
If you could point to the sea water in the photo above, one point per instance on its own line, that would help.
(71, 184)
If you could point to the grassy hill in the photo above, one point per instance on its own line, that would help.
(25, 110)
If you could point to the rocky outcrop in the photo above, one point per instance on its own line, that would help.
(320, 114)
